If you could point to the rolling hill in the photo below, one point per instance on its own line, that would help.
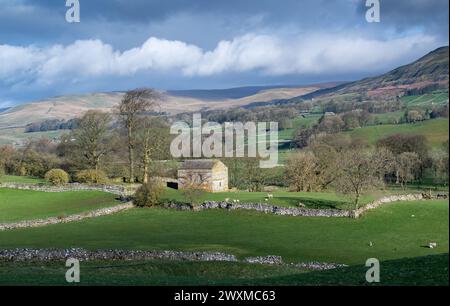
(71, 106)
(428, 72)
(427, 76)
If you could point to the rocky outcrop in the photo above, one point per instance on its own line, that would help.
(56, 220)
(47, 255)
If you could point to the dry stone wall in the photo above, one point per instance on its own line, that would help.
(114, 189)
(277, 210)
(304, 212)
(71, 218)
(47, 255)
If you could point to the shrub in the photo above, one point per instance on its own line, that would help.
(57, 177)
(91, 176)
(149, 194)
(193, 194)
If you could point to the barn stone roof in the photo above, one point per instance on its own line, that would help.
(204, 164)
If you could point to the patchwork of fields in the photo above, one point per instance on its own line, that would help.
(396, 230)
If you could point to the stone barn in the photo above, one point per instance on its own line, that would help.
(209, 174)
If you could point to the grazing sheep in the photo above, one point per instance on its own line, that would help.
(432, 245)
(227, 200)
(270, 196)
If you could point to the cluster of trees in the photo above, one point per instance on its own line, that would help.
(373, 107)
(281, 114)
(331, 124)
(52, 125)
(416, 115)
(34, 159)
(349, 166)
(424, 90)
(357, 118)
(124, 144)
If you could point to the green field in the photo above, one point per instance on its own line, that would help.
(21, 179)
(16, 205)
(426, 100)
(397, 230)
(436, 131)
(303, 122)
(389, 118)
(314, 200)
(428, 270)
(17, 135)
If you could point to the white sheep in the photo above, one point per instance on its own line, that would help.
(270, 196)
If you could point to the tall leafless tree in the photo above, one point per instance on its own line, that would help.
(134, 105)
(91, 138)
(153, 139)
(357, 174)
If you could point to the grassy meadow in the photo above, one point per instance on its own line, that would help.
(397, 230)
(21, 179)
(17, 205)
(436, 131)
(313, 200)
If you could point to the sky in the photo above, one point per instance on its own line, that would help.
(202, 44)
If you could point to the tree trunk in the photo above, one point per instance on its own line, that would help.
(146, 164)
(131, 155)
(356, 201)
(96, 170)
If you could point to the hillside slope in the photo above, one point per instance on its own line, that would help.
(430, 71)
(71, 106)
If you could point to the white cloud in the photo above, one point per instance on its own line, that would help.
(316, 53)
(5, 104)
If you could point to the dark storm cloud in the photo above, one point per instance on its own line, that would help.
(431, 16)
(281, 42)
(124, 23)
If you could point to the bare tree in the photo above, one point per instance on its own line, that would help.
(357, 174)
(91, 138)
(384, 161)
(301, 171)
(326, 164)
(407, 167)
(152, 140)
(439, 160)
(253, 178)
(194, 188)
(133, 106)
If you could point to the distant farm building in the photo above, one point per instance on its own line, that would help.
(209, 174)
